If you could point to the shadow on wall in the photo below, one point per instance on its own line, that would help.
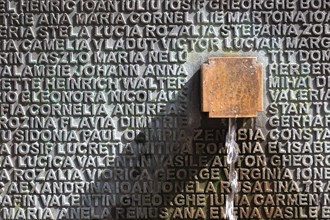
(168, 166)
(174, 169)
(178, 170)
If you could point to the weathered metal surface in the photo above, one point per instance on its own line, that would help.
(232, 87)
(100, 111)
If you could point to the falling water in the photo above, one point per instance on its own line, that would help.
(232, 152)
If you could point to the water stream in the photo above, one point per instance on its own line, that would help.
(232, 155)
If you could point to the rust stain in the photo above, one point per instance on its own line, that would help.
(232, 87)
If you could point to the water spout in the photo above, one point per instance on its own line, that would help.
(232, 87)
(232, 155)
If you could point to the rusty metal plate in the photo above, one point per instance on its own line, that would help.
(232, 87)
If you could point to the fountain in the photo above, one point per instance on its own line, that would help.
(232, 88)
